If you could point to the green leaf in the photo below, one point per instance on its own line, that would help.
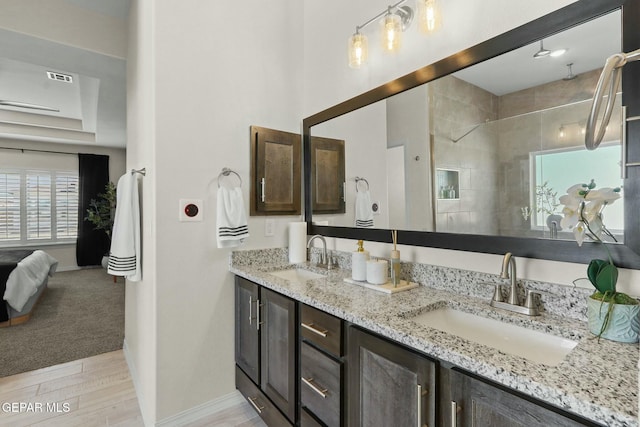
(592, 272)
(606, 278)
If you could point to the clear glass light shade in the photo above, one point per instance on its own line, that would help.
(358, 50)
(428, 15)
(391, 32)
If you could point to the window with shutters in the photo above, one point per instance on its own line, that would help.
(38, 207)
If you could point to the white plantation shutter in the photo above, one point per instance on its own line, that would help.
(9, 206)
(38, 204)
(66, 205)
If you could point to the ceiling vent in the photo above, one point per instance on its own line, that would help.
(60, 77)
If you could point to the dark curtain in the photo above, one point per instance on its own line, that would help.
(92, 244)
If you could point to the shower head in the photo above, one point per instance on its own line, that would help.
(542, 52)
(570, 76)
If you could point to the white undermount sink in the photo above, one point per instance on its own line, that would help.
(296, 275)
(535, 346)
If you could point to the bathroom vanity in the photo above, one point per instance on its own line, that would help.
(361, 357)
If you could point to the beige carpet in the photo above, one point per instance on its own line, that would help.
(80, 315)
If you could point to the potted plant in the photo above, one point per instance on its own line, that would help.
(547, 203)
(613, 315)
(101, 213)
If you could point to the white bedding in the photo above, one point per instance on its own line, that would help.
(24, 280)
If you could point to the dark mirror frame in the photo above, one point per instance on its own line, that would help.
(624, 255)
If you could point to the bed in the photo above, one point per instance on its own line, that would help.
(23, 280)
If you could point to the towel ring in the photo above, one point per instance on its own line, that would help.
(227, 172)
(358, 179)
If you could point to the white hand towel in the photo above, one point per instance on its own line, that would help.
(364, 213)
(231, 221)
(124, 257)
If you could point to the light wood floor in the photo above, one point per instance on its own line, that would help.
(96, 391)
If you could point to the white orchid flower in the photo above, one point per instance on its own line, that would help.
(605, 195)
(597, 227)
(570, 218)
(579, 232)
(570, 201)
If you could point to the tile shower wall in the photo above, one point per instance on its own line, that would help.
(456, 107)
(530, 121)
(493, 160)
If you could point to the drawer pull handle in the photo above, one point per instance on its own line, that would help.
(252, 400)
(310, 326)
(250, 307)
(322, 392)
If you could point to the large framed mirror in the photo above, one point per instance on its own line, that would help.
(474, 151)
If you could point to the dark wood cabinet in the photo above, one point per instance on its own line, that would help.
(389, 385)
(278, 348)
(311, 374)
(475, 402)
(276, 178)
(265, 350)
(327, 175)
(247, 328)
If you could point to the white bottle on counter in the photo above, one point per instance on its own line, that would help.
(359, 260)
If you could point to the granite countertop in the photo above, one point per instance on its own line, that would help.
(598, 380)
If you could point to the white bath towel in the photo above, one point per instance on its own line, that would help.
(364, 213)
(231, 219)
(125, 256)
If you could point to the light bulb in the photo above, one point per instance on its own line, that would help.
(391, 32)
(561, 133)
(358, 50)
(429, 16)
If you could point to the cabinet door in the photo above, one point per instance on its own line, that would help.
(478, 403)
(278, 344)
(247, 328)
(327, 175)
(275, 172)
(388, 384)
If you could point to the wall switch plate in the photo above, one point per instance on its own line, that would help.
(269, 227)
(191, 210)
(375, 207)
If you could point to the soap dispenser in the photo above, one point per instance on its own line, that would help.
(359, 260)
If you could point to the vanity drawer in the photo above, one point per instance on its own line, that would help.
(320, 384)
(267, 410)
(322, 329)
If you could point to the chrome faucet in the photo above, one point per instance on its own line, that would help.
(509, 262)
(513, 304)
(323, 259)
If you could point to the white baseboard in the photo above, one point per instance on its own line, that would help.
(204, 410)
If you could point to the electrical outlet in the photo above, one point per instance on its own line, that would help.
(269, 227)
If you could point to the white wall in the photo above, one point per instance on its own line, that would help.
(197, 82)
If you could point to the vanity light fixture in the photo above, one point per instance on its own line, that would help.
(358, 49)
(558, 52)
(395, 19)
(428, 15)
(561, 132)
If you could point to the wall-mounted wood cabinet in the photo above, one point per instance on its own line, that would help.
(327, 175)
(276, 158)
